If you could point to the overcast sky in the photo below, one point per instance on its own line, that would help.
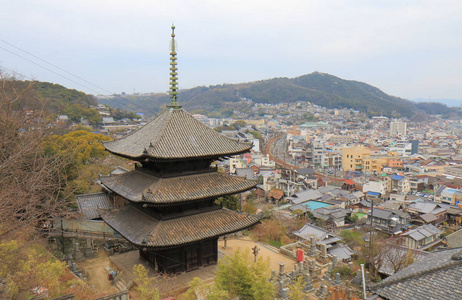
(410, 49)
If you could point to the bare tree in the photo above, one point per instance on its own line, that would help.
(393, 257)
(29, 180)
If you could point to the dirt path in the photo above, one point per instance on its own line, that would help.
(265, 251)
(97, 273)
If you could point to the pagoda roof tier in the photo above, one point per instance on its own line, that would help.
(143, 230)
(138, 186)
(175, 135)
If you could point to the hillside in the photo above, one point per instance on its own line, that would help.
(52, 100)
(318, 88)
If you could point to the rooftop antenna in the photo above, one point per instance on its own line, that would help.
(173, 72)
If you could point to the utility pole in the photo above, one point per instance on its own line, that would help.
(371, 252)
(62, 238)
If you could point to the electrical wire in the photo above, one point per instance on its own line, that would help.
(31, 61)
(57, 67)
(67, 78)
(114, 99)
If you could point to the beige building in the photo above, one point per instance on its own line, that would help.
(353, 158)
(362, 159)
(375, 163)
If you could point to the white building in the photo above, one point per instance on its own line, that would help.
(375, 186)
(398, 128)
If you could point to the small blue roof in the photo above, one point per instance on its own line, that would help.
(373, 193)
(397, 177)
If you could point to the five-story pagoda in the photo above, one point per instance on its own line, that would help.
(166, 206)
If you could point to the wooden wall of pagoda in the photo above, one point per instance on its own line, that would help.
(183, 259)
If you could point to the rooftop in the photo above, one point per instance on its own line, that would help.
(143, 230)
(139, 186)
(436, 276)
(175, 134)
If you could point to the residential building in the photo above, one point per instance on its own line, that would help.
(353, 158)
(375, 186)
(397, 184)
(421, 237)
(389, 221)
(398, 128)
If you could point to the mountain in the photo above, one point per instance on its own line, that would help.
(53, 98)
(318, 88)
(448, 102)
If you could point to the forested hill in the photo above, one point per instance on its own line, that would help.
(54, 99)
(318, 88)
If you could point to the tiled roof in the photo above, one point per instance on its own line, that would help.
(90, 203)
(392, 254)
(422, 232)
(300, 207)
(309, 230)
(306, 196)
(381, 213)
(275, 193)
(341, 252)
(140, 186)
(454, 240)
(142, 229)
(246, 172)
(436, 276)
(423, 206)
(429, 217)
(175, 134)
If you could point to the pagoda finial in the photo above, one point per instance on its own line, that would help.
(173, 72)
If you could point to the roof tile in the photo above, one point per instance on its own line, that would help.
(140, 186)
(175, 134)
(142, 229)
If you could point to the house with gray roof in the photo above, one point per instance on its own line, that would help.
(421, 237)
(454, 240)
(310, 230)
(425, 212)
(389, 221)
(335, 215)
(90, 204)
(436, 276)
(321, 236)
(305, 196)
(248, 173)
(393, 257)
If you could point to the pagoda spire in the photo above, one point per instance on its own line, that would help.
(173, 72)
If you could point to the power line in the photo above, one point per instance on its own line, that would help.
(14, 72)
(31, 61)
(54, 65)
(114, 99)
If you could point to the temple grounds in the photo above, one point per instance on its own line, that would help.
(97, 268)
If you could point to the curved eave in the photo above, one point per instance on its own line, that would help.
(142, 230)
(141, 187)
(175, 135)
(193, 242)
(146, 199)
(144, 156)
